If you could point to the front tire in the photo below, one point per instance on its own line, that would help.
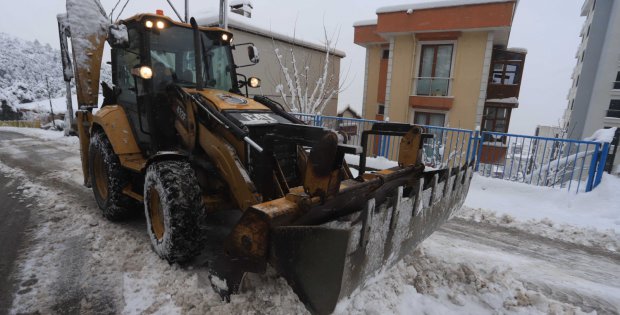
(108, 179)
(172, 206)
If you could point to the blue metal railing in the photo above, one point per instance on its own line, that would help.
(568, 164)
(541, 161)
(449, 147)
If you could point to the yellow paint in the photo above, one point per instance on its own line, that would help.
(113, 120)
(216, 97)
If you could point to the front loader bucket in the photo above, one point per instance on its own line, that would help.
(326, 263)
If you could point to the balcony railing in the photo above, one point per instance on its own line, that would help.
(614, 113)
(432, 86)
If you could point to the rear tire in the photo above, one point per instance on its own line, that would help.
(108, 179)
(172, 206)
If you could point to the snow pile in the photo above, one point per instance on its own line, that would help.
(431, 284)
(603, 135)
(365, 22)
(597, 209)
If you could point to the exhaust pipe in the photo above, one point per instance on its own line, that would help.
(197, 55)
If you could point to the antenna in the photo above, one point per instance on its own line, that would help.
(175, 10)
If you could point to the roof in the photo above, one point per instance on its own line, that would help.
(348, 108)
(365, 22)
(242, 23)
(435, 4)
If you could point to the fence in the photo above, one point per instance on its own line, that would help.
(568, 164)
(540, 161)
(20, 123)
(449, 147)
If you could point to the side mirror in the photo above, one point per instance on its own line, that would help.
(118, 36)
(253, 54)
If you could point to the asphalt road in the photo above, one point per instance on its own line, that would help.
(547, 260)
(14, 215)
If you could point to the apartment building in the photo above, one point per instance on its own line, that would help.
(594, 97)
(442, 63)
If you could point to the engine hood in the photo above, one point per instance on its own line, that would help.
(229, 101)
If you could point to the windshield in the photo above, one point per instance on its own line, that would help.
(172, 60)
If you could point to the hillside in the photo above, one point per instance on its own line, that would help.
(24, 66)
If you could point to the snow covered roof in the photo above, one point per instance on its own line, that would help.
(508, 100)
(603, 135)
(240, 3)
(518, 50)
(353, 111)
(365, 22)
(435, 4)
(243, 23)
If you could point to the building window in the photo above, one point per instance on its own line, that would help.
(380, 109)
(505, 73)
(386, 54)
(577, 81)
(429, 119)
(614, 109)
(496, 119)
(435, 67)
(617, 82)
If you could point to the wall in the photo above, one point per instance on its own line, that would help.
(585, 86)
(470, 52)
(402, 70)
(268, 69)
(372, 80)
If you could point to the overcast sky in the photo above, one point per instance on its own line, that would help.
(549, 29)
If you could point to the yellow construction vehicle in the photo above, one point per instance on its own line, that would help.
(177, 136)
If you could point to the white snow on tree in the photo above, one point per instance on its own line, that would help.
(300, 91)
(25, 64)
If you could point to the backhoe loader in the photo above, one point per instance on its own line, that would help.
(177, 136)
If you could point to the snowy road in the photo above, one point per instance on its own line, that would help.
(67, 259)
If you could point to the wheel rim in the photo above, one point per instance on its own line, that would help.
(101, 176)
(156, 213)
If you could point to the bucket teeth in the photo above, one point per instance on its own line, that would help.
(328, 262)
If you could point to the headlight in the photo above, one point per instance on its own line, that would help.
(254, 82)
(160, 25)
(148, 24)
(146, 72)
(224, 37)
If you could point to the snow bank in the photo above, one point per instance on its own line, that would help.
(603, 135)
(597, 209)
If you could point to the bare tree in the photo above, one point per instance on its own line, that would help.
(302, 92)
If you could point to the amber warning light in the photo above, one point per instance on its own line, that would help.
(159, 12)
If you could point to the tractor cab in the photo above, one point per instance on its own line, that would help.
(157, 54)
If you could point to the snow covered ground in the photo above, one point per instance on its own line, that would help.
(513, 249)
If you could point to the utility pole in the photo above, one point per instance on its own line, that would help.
(49, 96)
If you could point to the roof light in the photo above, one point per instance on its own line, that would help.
(160, 25)
(148, 24)
(159, 12)
(224, 37)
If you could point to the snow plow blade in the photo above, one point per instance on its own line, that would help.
(324, 264)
